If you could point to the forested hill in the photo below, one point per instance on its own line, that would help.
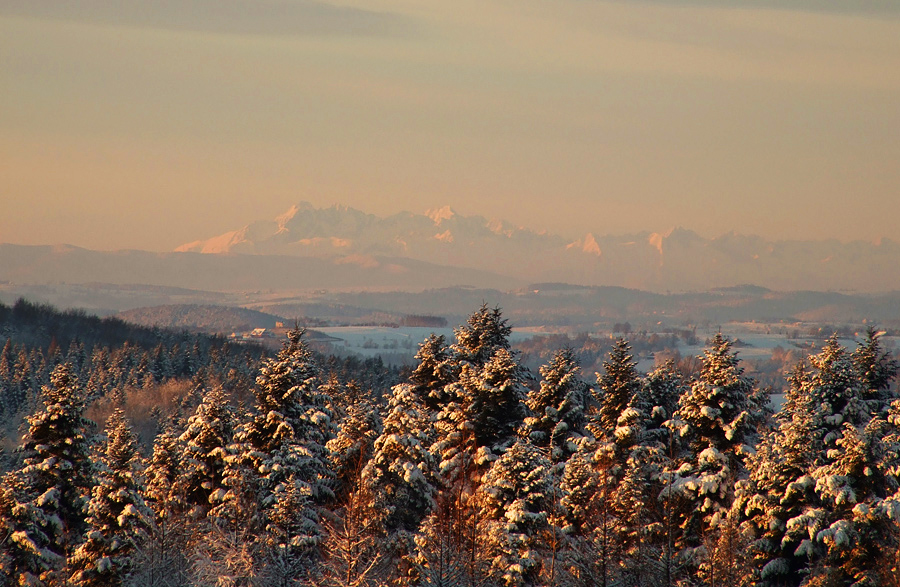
(149, 369)
(203, 318)
(40, 325)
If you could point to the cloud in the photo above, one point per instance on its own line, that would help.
(847, 7)
(237, 17)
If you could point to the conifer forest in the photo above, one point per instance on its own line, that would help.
(146, 458)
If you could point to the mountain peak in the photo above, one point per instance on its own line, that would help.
(587, 245)
(441, 214)
(286, 217)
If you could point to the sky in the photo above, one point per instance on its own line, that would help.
(133, 124)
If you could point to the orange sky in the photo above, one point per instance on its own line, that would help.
(124, 129)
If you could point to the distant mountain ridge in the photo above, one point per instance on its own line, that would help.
(679, 260)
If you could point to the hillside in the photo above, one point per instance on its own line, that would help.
(203, 318)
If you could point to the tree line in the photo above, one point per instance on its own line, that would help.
(472, 472)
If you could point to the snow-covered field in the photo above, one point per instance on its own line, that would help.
(372, 341)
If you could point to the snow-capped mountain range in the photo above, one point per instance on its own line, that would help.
(678, 260)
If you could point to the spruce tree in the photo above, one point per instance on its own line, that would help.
(50, 489)
(484, 333)
(204, 448)
(515, 496)
(293, 425)
(615, 390)
(401, 475)
(436, 367)
(718, 418)
(876, 369)
(557, 406)
(117, 517)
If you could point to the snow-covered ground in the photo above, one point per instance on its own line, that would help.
(372, 341)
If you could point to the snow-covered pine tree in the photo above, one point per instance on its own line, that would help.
(290, 536)
(515, 496)
(718, 418)
(834, 386)
(401, 475)
(615, 390)
(856, 524)
(352, 448)
(204, 448)
(657, 401)
(496, 400)
(283, 444)
(484, 333)
(117, 516)
(480, 420)
(293, 425)
(587, 499)
(557, 406)
(780, 489)
(482, 408)
(876, 369)
(162, 560)
(51, 487)
(436, 367)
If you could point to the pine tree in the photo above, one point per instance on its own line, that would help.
(835, 387)
(558, 407)
(616, 388)
(436, 368)
(514, 497)
(162, 560)
(117, 517)
(352, 448)
(294, 424)
(291, 535)
(780, 488)
(876, 370)
(718, 418)
(484, 333)
(657, 401)
(856, 527)
(587, 499)
(278, 461)
(204, 448)
(51, 487)
(401, 475)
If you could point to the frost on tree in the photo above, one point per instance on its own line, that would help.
(557, 406)
(49, 491)
(117, 517)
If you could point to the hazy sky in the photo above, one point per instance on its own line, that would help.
(136, 124)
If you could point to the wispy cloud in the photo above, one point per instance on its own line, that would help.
(849, 7)
(240, 17)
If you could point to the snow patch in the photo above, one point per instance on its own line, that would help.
(441, 214)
